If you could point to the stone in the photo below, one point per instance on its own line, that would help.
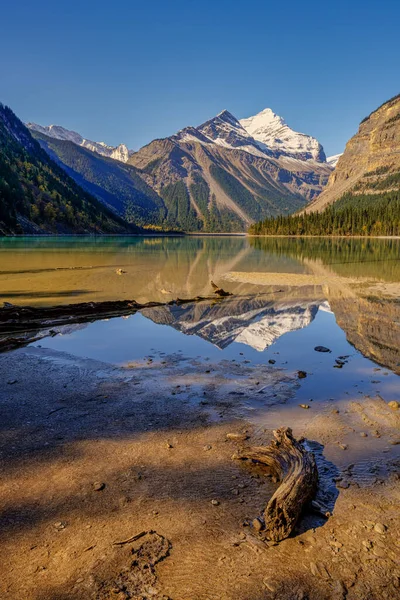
(206, 448)
(304, 405)
(363, 434)
(215, 502)
(257, 524)
(238, 437)
(272, 361)
(380, 528)
(301, 374)
(322, 349)
(343, 484)
(394, 405)
(98, 486)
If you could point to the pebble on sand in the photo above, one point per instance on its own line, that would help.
(98, 486)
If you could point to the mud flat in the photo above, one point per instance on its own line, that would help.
(118, 482)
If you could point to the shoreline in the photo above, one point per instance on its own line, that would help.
(112, 451)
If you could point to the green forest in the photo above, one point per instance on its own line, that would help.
(353, 214)
(37, 195)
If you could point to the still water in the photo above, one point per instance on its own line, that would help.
(289, 295)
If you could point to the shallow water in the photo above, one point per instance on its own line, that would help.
(49, 270)
(279, 285)
(289, 296)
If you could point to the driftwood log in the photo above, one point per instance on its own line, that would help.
(291, 464)
(28, 318)
(21, 325)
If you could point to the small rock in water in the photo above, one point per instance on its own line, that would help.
(301, 374)
(380, 528)
(304, 405)
(12, 381)
(394, 405)
(322, 349)
(272, 361)
(98, 486)
(343, 485)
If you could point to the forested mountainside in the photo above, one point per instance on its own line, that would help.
(116, 184)
(216, 177)
(37, 196)
(363, 193)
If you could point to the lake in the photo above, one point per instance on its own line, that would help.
(289, 295)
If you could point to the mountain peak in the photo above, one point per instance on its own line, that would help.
(270, 129)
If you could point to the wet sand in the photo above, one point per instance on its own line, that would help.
(93, 454)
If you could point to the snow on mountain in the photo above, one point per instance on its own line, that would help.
(333, 160)
(120, 152)
(272, 131)
(225, 130)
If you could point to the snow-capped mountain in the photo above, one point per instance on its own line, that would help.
(120, 152)
(272, 131)
(333, 160)
(224, 174)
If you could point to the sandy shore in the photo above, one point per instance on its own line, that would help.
(93, 454)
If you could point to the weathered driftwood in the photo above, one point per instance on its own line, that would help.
(295, 467)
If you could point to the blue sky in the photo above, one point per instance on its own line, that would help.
(130, 71)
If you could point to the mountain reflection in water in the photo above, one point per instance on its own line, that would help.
(253, 321)
(278, 284)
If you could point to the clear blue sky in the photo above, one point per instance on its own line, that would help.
(130, 71)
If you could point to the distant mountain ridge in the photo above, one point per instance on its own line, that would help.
(119, 152)
(218, 177)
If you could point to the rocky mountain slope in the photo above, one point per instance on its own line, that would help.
(57, 132)
(215, 177)
(37, 196)
(218, 177)
(370, 164)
